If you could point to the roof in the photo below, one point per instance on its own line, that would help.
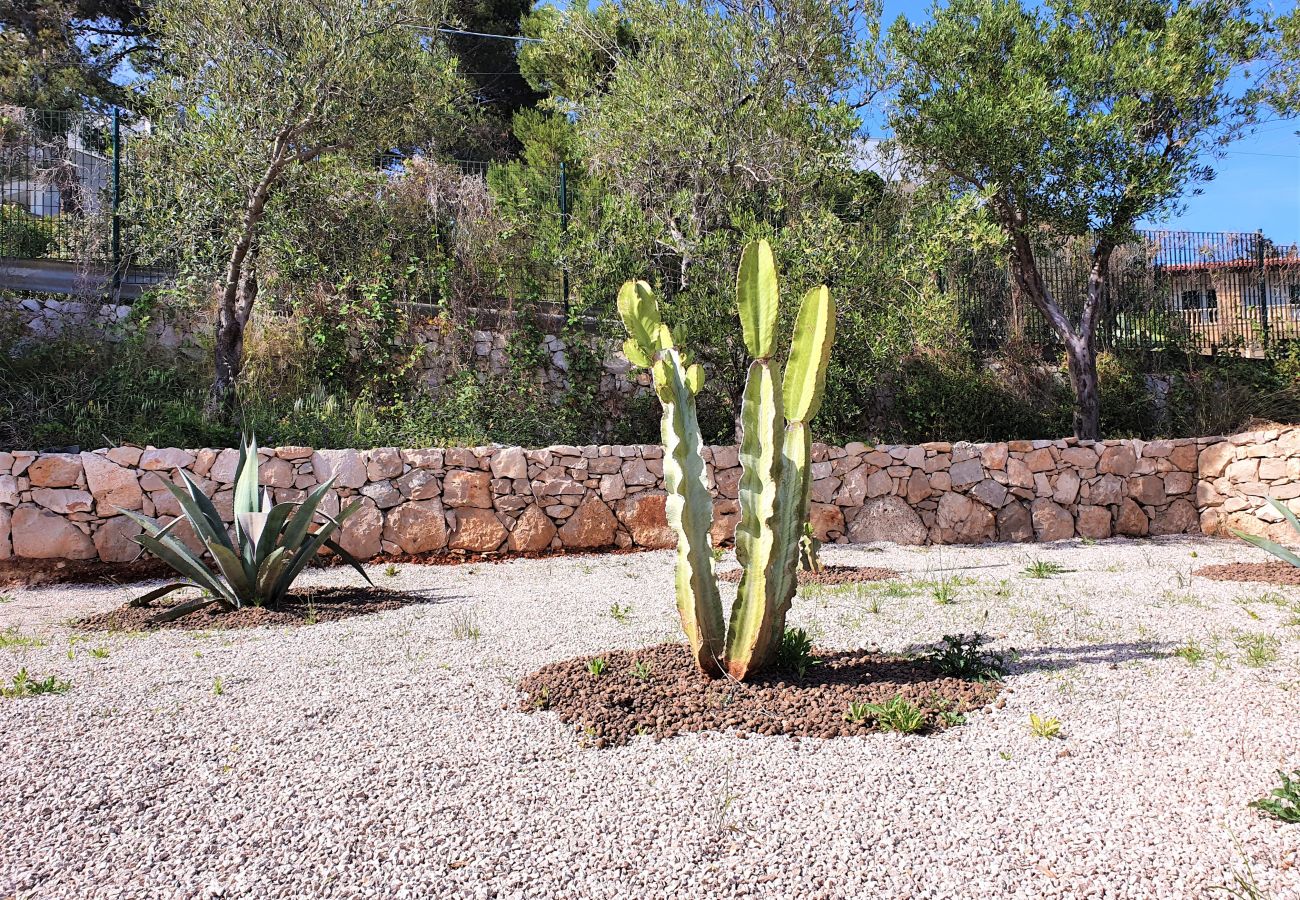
(1270, 262)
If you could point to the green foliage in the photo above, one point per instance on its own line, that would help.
(641, 670)
(620, 612)
(1047, 727)
(22, 234)
(1043, 568)
(961, 656)
(1258, 650)
(857, 713)
(1191, 653)
(596, 667)
(271, 547)
(1282, 802)
(1283, 553)
(795, 652)
(897, 714)
(23, 685)
(12, 638)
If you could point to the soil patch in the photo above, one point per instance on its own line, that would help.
(19, 572)
(670, 696)
(830, 575)
(302, 608)
(1269, 572)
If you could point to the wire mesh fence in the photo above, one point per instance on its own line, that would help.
(65, 176)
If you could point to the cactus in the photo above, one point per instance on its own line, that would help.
(775, 455)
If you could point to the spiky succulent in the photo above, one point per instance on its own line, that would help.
(775, 450)
(1263, 543)
(271, 546)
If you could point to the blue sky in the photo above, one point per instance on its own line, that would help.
(1257, 183)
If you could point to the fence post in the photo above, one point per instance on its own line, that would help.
(117, 202)
(564, 230)
(1262, 287)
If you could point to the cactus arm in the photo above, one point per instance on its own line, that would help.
(690, 512)
(749, 632)
(756, 297)
(802, 391)
(689, 505)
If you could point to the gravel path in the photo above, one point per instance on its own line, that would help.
(384, 756)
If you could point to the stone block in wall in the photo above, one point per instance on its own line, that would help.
(1179, 517)
(55, 470)
(473, 489)
(114, 540)
(1131, 520)
(1014, 523)
(1093, 522)
(114, 486)
(477, 530)
(645, 517)
(590, 527)
(826, 521)
(346, 467)
(1117, 459)
(1214, 459)
(533, 532)
(418, 526)
(1051, 521)
(6, 546)
(960, 520)
(41, 534)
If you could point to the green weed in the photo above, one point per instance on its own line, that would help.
(596, 667)
(23, 685)
(1282, 802)
(1258, 650)
(620, 612)
(12, 639)
(1044, 726)
(897, 714)
(1041, 568)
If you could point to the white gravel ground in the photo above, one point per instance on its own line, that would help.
(384, 756)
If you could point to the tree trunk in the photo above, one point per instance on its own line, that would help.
(1081, 357)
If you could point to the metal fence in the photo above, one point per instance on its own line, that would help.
(1202, 292)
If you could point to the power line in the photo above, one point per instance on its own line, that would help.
(481, 34)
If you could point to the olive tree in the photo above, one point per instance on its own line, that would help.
(1072, 119)
(249, 98)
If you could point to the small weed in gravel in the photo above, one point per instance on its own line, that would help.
(1042, 568)
(1191, 653)
(795, 652)
(464, 625)
(1044, 726)
(6, 598)
(218, 687)
(1283, 802)
(857, 713)
(23, 685)
(1257, 649)
(391, 570)
(960, 656)
(897, 714)
(596, 667)
(641, 670)
(620, 612)
(13, 639)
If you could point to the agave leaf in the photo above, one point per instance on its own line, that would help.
(756, 295)
(275, 520)
(181, 609)
(146, 599)
(252, 524)
(246, 477)
(307, 552)
(302, 519)
(200, 512)
(236, 574)
(178, 556)
(270, 571)
(1268, 546)
(1285, 512)
(348, 558)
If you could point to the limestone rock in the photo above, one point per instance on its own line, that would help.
(384, 494)
(1214, 459)
(612, 487)
(63, 500)
(1179, 517)
(224, 467)
(592, 525)
(362, 534)
(345, 466)
(1148, 490)
(383, 462)
(1131, 520)
(1093, 522)
(114, 486)
(510, 462)
(477, 530)
(1051, 522)
(990, 493)
(533, 532)
(166, 459)
(961, 520)
(826, 520)
(6, 547)
(472, 489)
(54, 470)
(1014, 523)
(419, 484)
(417, 527)
(887, 519)
(41, 534)
(275, 472)
(1118, 459)
(646, 518)
(113, 540)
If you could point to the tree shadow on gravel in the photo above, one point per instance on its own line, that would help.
(1115, 654)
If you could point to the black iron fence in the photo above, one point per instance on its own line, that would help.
(1196, 291)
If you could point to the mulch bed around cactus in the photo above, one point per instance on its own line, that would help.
(1268, 572)
(675, 698)
(829, 575)
(305, 608)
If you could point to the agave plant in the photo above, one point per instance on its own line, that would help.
(272, 543)
(1273, 547)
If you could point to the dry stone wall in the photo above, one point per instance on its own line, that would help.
(1237, 476)
(512, 500)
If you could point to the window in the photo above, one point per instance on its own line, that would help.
(1204, 303)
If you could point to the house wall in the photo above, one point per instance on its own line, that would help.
(512, 500)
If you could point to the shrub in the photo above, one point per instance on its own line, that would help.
(961, 657)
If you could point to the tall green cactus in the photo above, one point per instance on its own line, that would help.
(775, 456)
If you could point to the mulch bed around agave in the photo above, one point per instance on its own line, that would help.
(1268, 572)
(303, 608)
(676, 698)
(830, 575)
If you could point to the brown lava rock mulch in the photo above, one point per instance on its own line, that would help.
(830, 575)
(675, 698)
(1269, 572)
(326, 605)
